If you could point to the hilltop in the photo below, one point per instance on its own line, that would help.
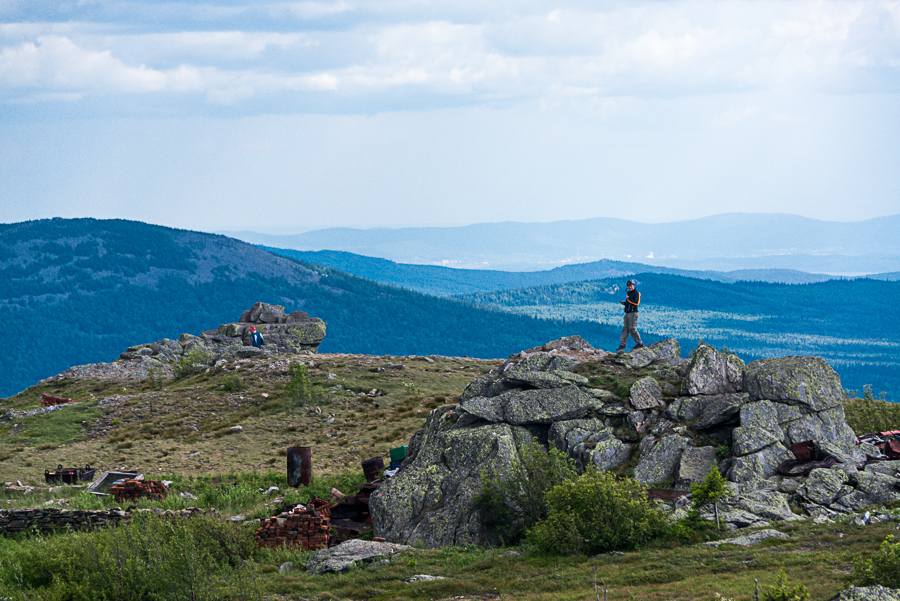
(81, 290)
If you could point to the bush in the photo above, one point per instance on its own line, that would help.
(710, 490)
(233, 383)
(195, 361)
(882, 568)
(513, 503)
(596, 513)
(781, 591)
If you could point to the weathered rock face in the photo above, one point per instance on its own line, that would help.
(663, 428)
(294, 333)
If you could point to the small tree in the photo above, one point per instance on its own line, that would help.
(710, 490)
(299, 387)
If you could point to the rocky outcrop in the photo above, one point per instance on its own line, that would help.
(674, 421)
(292, 334)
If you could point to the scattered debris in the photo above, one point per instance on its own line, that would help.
(69, 475)
(48, 400)
(302, 526)
(139, 489)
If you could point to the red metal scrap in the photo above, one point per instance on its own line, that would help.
(48, 400)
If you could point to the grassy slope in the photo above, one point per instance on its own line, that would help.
(152, 430)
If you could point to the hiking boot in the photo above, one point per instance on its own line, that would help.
(621, 348)
(637, 347)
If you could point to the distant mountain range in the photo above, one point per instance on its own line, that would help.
(727, 242)
(447, 281)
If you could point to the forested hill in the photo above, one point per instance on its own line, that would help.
(447, 281)
(78, 291)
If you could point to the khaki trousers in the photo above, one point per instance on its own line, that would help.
(630, 327)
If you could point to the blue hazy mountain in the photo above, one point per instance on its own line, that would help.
(725, 242)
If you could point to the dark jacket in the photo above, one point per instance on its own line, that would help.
(632, 300)
(257, 340)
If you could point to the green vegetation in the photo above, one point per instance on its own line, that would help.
(782, 591)
(597, 513)
(713, 488)
(299, 387)
(883, 567)
(871, 414)
(511, 504)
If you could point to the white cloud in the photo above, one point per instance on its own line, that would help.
(529, 51)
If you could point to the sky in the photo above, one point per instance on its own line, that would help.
(285, 117)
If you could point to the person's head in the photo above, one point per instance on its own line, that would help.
(629, 284)
(252, 328)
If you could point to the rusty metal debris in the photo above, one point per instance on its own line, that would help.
(69, 475)
(888, 443)
(48, 400)
(808, 456)
(130, 490)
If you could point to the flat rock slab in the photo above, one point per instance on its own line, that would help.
(749, 539)
(350, 553)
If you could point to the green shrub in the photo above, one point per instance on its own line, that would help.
(512, 503)
(299, 387)
(233, 383)
(882, 568)
(195, 361)
(781, 591)
(596, 513)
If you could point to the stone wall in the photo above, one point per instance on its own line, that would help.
(46, 519)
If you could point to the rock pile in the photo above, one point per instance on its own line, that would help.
(650, 414)
(294, 333)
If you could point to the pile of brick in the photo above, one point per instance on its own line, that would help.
(130, 490)
(48, 400)
(304, 527)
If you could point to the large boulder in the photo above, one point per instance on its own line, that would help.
(351, 554)
(808, 382)
(430, 502)
(712, 372)
(659, 460)
(537, 406)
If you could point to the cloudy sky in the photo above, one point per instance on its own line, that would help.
(291, 116)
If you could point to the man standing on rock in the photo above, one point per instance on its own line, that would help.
(631, 302)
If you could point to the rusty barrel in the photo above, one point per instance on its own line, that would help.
(372, 468)
(299, 466)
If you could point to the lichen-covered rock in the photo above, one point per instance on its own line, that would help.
(759, 428)
(646, 394)
(868, 593)
(538, 406)
(822, 486)
(687, 408)
(659, 460)
(719, 410)
(351, 554)
(769, 505)
(664, 351)
(871, 488)
(431, 501)
(712, 372)
(749, 539)
(759, 465)
(694, 465)
(545, 379)
(609, 453)
(806, 381)
(577, 437)
(828, 425)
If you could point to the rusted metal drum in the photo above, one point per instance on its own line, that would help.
(372, 468)
(299, 466)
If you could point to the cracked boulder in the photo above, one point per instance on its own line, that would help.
(712, 372)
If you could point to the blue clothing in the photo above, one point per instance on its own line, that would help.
(257, 340)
